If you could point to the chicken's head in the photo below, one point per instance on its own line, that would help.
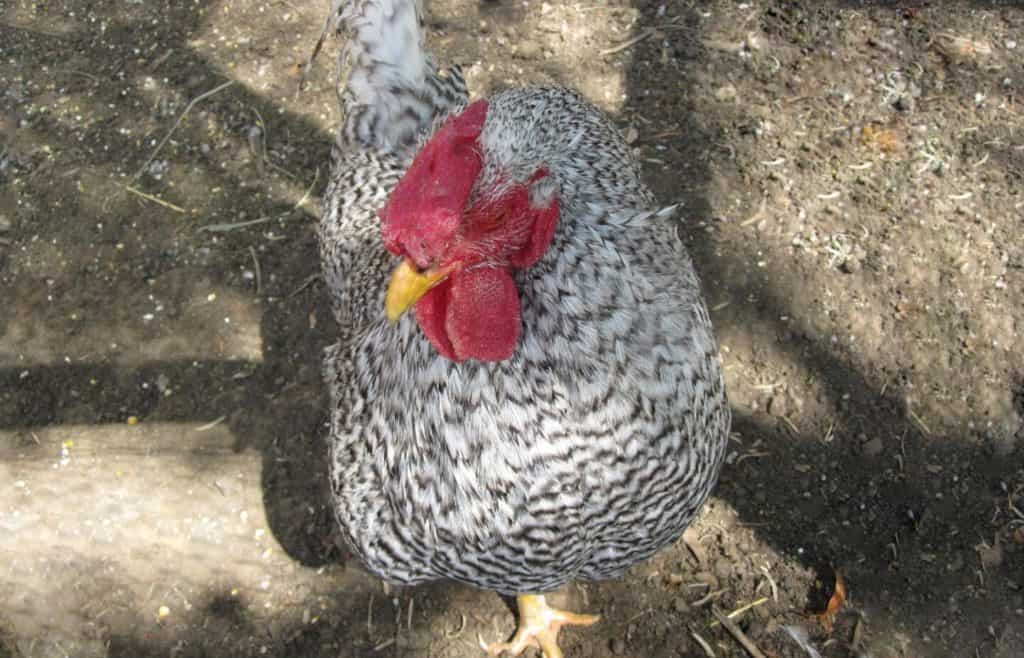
(460, 246)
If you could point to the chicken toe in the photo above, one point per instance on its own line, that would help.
(538, 627)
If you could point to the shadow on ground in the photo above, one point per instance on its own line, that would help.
(863, 483)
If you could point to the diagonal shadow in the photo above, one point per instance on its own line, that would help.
(129, 71)
(899, 516)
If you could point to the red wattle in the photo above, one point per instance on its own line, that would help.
(431, 310)
(474, 314)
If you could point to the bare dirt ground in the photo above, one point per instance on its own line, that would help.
(852, 181)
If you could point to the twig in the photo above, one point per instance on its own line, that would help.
(224, 228)
(384, 645)
(757, 216)
(639, 615)
(188, 107)
(771, 583)
(264, 138)
(309, 190)
(264, 156)
(210, 425)
(703, 644)
(858, 634)
(157, 200)
(693, 543)
(281, 170)
(737, 634)
(161, 59)
(451, 635)
(649, 32)
(751, 455)
(307, 283)
(710, 596)
(739, 611)
(920, 422)
(256, 266)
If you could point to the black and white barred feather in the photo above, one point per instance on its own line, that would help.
(596, 443)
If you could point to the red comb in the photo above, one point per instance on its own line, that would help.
(424, 210)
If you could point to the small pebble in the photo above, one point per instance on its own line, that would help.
(991, 556)
(723, 569)
(528, 49)
(726, 93)
(707, 578)
(873, 447)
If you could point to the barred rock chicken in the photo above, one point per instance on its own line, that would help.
(553, 407)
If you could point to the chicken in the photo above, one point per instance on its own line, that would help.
(525, 389)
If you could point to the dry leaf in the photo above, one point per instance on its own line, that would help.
(885, 140)
(959, 47)
(990, 556)
(827, 597)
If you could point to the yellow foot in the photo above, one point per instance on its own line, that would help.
(538, 628)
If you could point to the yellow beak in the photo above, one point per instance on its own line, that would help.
(408, 285)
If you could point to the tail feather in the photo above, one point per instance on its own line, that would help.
(391, 90)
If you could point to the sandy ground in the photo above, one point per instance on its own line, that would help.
(852, 182)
